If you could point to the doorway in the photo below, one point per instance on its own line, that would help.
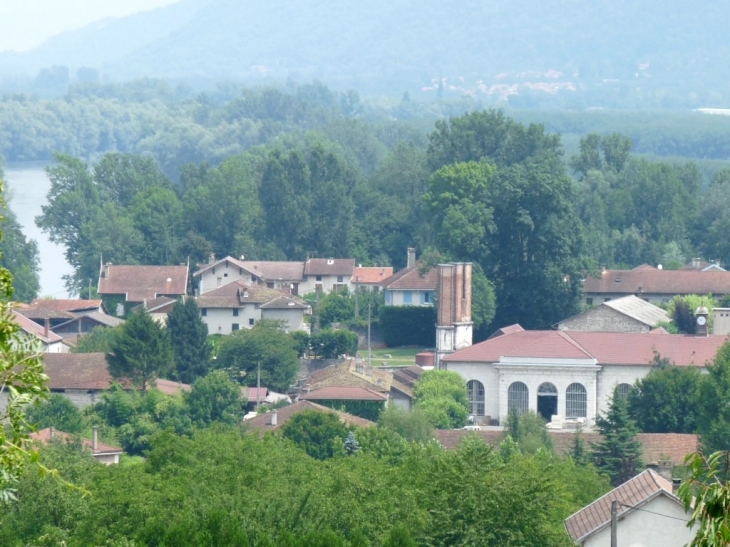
(547, 401)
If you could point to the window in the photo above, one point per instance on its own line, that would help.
(622, 390)
(576, 401)
(425, 297)
(203, 311)
(476, 398)
(518, 397)
(251, 321)
(235, 312)
(589, 301)
(225, 274)
(340, 278)
(388, 298)
(235, 326)
(407, 297)
(318, 278)
(606, 299)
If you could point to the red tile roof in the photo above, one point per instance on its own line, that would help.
(262, 422)
(34, 329)
(374, 274)
(238, 293)
(143, 282)
(636, 491)
(334, 393)
(65, 304)
(171, 387)
(655, 446)
(614, 348)
(44, 436)
(653, 281)
(252, 393)
(411, 279)
(330, 266)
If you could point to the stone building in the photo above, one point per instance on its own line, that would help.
(627, 314)
(454, 327)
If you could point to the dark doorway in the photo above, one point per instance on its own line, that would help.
(547, 401)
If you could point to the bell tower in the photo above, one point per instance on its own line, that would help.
(454, 327)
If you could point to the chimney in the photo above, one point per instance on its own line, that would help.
(95, 438)
(211, 258)
(664, 468)
(106, 270)
(52, 431)
(46, 327)
(274, 418)
(411, 257)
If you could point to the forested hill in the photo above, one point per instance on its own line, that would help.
(394, 45)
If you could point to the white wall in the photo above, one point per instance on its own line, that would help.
(220, 276)
(397, 298)
(643, 529)
(220, 320)
(310, 283)
(293, 318)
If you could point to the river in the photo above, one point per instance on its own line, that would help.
(28, 186)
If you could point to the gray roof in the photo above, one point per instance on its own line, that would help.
(639, 309)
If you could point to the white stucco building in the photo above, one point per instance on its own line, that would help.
(649, 515)
(568, 374)
(238, 306)
(411, 286)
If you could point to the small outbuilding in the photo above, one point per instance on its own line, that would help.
(627, 314)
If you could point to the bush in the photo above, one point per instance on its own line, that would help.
(328, 343)
(408, 326)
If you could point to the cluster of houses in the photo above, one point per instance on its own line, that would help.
(567, 374)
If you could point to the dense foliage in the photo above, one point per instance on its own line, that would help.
(441, 395)
(408, 325)
(189, 338)
(619, 453)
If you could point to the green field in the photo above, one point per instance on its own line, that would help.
(398, 356)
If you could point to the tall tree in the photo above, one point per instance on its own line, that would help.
(441, 395)
(215, 398)
(190, 344)
(142, 352)
(713, 422)
(619, 453)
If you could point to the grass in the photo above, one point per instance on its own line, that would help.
(398, 356)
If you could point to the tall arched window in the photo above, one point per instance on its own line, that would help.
(576, 401)
(476, 397)
(622, 390)
(518, 398)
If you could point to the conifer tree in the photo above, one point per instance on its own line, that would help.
(619, 453)
(189, 338)
(142, 352)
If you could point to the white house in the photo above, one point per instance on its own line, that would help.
(568, 374)
(369, 278)
(649, 515)
(239, 306)
(327, 274)
(410, 286)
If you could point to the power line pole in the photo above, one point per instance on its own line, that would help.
(357, 296)
(614, 522)
(258, 387)
(370, 361)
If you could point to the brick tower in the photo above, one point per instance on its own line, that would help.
(454, 325)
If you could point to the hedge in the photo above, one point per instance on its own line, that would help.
(408, 326)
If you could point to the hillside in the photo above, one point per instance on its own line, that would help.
(393, 45)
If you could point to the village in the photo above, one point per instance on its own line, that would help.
(569, 376)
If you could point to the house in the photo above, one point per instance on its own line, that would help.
(369, 278)
(135, 284)
(654, 285)
(331, 394)
(626, 314)
(295, 278)
(84, 377)
(237, 305)
(395, 384)
(410, 286)
(649, 514)
(327, 274)
(658, 449)
(158, 308)
(49, 340)
(568, 374)
(272, 421)
(102, 453)
(57, 311)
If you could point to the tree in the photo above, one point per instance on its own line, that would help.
(713, 423)
(667, 399)
(99, 340)
(189, 339)
(59, 412)
(22, 380)
(215, 398)
(442, 396)
(529, 432)
(142, 352)
(682, 308)
(351, 445)
(619, 453)
(267, 345)
(412, 426)
(329, 344)
(320, 434)
(706, 494)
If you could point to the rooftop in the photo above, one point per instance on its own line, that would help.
(72, 305)
(141, 283)
(330, 266)
(335, 393)
(34, 329)
(238, 293)
(412, 279)
(374, 274)
(262, 422)
(654, 281)
(45, 435)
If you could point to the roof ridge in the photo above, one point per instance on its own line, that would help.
(575, 343)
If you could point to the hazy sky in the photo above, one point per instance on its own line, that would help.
(25, 24)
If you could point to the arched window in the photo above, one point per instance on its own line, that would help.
(622, 390)
(547, 388)
(518, 396)
(576, 401)
(476, 397)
